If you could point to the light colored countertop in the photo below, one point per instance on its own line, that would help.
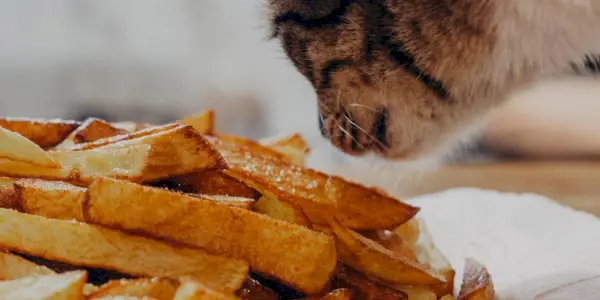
(576, 184)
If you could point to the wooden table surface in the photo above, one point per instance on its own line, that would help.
(576, 184)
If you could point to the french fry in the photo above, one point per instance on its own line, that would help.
(299, 257)
(426, 252)
(293, 146)
(378, 262)
(203, 122)
(227, 200)
(15, 267)
(85, 245)
(159, 288)
(8, 196)
(362, 287)
(273, 202)
(51, 199)
(339, 294)
(447, 297)
(128, 163)
(91, 130)
(320, 196)
(391, 241)
(419, 293)
(65, 286)
(215, 182)
(15, 147)
(124, 137)
(477, 283)
(175, 151)
(45, 133)
(279, 210)
(192, 290)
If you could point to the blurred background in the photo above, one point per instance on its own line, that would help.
(155, 61)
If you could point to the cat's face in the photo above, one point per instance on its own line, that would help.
(382, 85)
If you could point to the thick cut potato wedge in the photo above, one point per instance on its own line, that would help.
(127, 163)
(419, 293)
(391, 241)
(362, 287)
(477, 283)
(14, 146)
(378, 262)
(214, 182)
(339, 294)
(159, 288)
(85, 245)
(203, 122)
(176, 151)
(279, 210)
(192, 290)
(15, 267)
(293, 146)
(447, 297)
(45, 133)
(296, 255)
(91, 130)
(320, 196)
(52, 199)
(426, 252)
(65, 286)
(8, 196)
(227, 200)
(125, 137)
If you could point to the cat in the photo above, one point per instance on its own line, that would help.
(405, 78)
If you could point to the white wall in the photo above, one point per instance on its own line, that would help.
(171, 57)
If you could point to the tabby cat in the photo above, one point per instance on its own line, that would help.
(403, 78)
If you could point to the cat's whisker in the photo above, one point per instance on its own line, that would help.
(368, 134)
(362, 106)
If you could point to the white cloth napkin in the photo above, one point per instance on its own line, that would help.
(533, 247)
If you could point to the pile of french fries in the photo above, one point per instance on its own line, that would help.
(179, 211)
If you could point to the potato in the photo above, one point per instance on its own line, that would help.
(85, 245)
(65, 286)
(297, 256)
(477, 283)
(15, 147)
(45, 133)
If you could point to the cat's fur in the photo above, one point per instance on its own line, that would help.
(402, 77)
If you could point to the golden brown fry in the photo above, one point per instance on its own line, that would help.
(65, 286)
(293, 146)
(447, 297)
(298, 256)
(125, 137)
(391, 241)
(8, 196)
(427, 253)
(175, 151)
(15, 267)
(193, 290)
(320, 196)
(339, 294)
(128, 163)
(279, 210)
(82, 244)
(51, 199)
(419, 293)
(14, 146)
(214, 182)
(45, 133)
(477, 283)
(91, 130)
(378, 262)
(203, 122)
(159, 288)
(227, 200)
(409, 231)
(362, 287)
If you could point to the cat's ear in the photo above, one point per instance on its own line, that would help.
(307, 9)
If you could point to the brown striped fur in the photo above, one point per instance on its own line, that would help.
(402, 77)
